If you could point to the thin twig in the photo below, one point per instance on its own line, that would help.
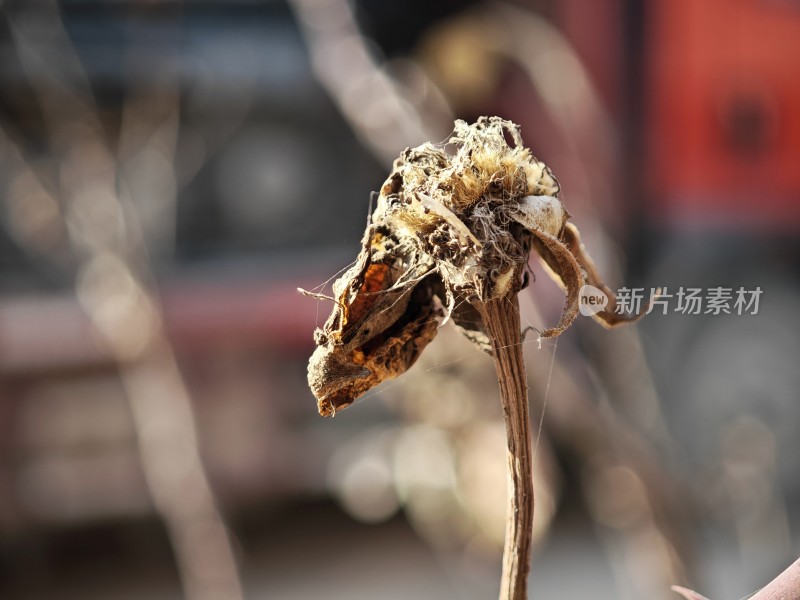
(687, 593)
(501, 319)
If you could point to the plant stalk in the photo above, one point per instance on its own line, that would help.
(502, 323)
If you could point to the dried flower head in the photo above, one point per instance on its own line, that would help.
(453, 227)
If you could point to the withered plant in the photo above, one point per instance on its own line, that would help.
(450, 239)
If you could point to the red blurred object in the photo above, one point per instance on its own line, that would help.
(723, 132)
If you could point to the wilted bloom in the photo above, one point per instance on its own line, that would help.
(453, 227)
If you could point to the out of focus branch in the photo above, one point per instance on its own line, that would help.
(641, 512)
(785, 586)
(384, 113)
(687, 593)
(114, 284)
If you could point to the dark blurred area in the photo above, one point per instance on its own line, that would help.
(171, 172)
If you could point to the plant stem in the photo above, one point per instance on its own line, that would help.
(501, 320)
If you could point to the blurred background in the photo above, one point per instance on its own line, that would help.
(171, 172)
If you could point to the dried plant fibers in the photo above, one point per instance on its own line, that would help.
(450, 238)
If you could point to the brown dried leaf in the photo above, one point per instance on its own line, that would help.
(378, 328)
(608, 317)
